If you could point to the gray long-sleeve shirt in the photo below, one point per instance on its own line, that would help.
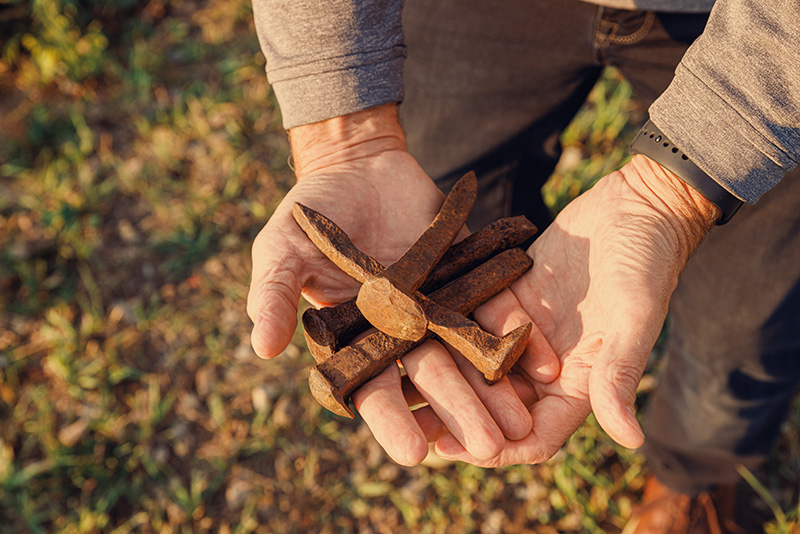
(733, 106)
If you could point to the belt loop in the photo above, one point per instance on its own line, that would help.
(599, 39)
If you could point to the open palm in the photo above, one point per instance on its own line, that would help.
(599, 291)
(383, 202)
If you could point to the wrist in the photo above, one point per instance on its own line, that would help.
(655, 144)
(347, 138)
(685, 211)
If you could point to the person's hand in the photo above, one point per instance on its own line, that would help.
(599, 290)
(356, 171)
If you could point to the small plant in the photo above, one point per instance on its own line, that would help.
(784, 522)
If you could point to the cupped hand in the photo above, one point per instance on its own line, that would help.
(355, 170)
(381, 201)
(599, 290)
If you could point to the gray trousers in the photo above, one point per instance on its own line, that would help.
(491, 85)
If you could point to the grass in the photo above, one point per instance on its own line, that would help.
(141, 151)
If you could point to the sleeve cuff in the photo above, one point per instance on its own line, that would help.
(718, 139)
(322, 96)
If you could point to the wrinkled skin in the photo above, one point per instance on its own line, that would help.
(598, 293)
(377, 193)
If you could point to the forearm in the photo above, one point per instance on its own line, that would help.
(734, 105)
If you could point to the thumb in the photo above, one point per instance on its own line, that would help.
(616, 372)
(272, 302)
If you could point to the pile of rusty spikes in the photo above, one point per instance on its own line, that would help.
(429, 291)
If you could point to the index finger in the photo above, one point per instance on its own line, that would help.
(382, 405)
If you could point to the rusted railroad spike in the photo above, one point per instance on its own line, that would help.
(487, 353)
(491, 355)
(329, 329)
(386, 298)
(334, 380)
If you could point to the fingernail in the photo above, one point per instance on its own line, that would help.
(549, 369)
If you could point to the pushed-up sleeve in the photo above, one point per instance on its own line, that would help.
(327, 58)
(734, 104)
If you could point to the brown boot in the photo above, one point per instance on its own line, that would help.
(664, 511)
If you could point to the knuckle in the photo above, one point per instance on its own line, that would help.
(625, 374)
(430, 364)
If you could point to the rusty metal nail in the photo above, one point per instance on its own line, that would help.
(387, 299)
(329, 329)
(333, 381)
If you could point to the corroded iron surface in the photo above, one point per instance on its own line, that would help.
(392, 293)
(334, 380)
(387, 300)
(329, 329)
